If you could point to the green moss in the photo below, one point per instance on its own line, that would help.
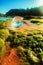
(28, 46)
(37, 21)
(2, 47)
(4, 33)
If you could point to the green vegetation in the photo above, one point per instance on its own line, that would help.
(4, 33)
(37, 21)
(2, 47)
(29, 46)
(2, 15)
(2, 24)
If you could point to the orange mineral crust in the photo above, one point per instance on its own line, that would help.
(11, 59)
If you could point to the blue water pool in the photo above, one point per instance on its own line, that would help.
(17, 24)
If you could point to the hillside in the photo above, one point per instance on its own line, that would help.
(37, 11)
(1, 15)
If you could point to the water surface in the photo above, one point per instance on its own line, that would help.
(5, 18)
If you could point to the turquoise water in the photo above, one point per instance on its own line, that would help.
(14, 24)
(17, 24)
(5, 18)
